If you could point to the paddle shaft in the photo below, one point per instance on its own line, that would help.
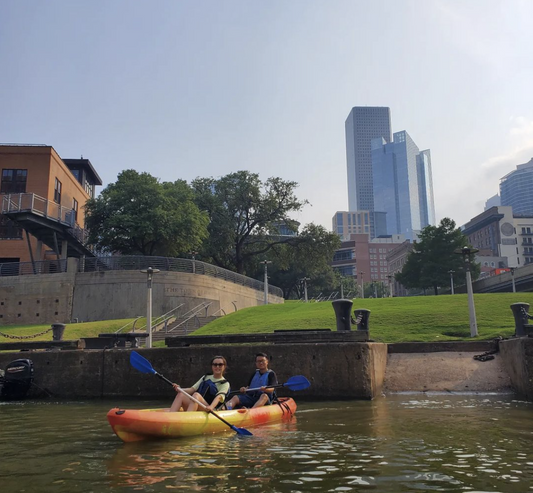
(195, 400)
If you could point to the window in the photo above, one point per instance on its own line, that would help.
(14, 180)
(75, 209)
(9, 229)
(57, 192)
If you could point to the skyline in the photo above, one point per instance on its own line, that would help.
(182, 90)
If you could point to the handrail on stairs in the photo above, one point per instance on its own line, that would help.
(195, 311)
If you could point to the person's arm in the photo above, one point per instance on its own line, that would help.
(243, 390)
(189, 390)
(223, 390)
(272, 380)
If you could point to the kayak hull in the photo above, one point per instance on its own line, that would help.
(132, 425)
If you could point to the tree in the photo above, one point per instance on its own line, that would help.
(242, 211)
(433, 256)
(138, 215)
(309, 255)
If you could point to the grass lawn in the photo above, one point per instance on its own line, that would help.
(422, 318)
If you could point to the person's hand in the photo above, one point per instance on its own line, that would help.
(208, 408)
(263, 388)
(176, 387)
(243, 390)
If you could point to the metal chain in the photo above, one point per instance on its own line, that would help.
(525, 314)
(9, 336)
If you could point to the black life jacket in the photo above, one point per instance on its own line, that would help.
(209, 389)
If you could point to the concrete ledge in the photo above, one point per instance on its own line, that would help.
(35, 345)
(444, 346)
(279, 337)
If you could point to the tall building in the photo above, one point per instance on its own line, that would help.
(363, 124)
(42, 199)
(516, 189)
(346, 223)
(402, 184)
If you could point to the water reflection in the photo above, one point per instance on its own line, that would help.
(402, 443)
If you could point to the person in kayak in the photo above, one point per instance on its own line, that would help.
(211, 389)
(263, 379)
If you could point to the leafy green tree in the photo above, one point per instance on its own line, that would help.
(307, 255)
(139, 215)
(433, 256)
(242, 211)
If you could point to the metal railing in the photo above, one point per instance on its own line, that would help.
(193, 315)
(32, 268)
(30, 202)
(170, 264)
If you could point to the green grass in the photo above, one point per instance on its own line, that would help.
(72, 331)
(421, 318)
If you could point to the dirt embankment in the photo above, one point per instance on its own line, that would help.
(445, 371)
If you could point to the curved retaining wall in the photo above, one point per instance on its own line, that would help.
(90, 296)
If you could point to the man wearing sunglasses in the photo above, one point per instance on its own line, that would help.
(263, 379)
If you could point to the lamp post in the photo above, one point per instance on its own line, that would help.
(193, 256)
(265, 263)
(512, 278)
(150, 274)
(374, 288)
(304, 281)
(342, 288)
(389, 277)
(362, 285)
(451, 280)
(466, 252)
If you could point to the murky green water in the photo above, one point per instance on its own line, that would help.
(401, 443)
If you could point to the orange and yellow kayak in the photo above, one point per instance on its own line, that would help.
(132, 425)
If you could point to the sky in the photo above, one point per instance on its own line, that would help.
(185, 89)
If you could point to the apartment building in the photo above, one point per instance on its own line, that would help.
(42, 199)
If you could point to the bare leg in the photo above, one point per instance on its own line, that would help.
(233, 402)
(180, 400)
(263, 399)
(193, 406)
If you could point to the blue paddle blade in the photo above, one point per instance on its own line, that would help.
(298, 382)
(140, 363)
(242, 431)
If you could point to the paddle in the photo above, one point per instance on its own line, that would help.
(143, 365)
(298, 382)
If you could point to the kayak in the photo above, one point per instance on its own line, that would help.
(133, 425)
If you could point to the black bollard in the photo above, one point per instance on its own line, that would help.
(342, 313)
(361, 318)
(57, 332)
(520, 312)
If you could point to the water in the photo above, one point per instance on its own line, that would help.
(401, 443)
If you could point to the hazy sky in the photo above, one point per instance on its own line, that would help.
(202, 88)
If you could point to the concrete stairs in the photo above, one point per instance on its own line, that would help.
(181, 327)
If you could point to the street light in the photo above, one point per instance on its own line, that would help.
(149, 273)
(342, 288)
(451, 279)
(193, 256)
(466, 252)
(266, 262)
(374, 288)
(389, 277)
(512, 278)
(304, 280)
(362, 285)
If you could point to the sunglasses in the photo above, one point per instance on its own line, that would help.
(217, 364)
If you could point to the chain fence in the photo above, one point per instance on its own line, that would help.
(33, 336)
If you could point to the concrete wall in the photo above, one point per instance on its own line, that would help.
(90, 296)
(349, 370)
(517, 356)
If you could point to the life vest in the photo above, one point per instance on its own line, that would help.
(209, 389)
(259, 380)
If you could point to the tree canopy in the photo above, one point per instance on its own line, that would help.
(243, 211)
(309, 255)
(139, 215)
(433, 256)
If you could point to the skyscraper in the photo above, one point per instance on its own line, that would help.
(516, 189)
(402, 184)
(363, 124)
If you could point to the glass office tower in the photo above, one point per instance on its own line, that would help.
(363, 124)
(516, 189)
(402, 184)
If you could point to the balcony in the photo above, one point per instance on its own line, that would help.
(48, 222)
